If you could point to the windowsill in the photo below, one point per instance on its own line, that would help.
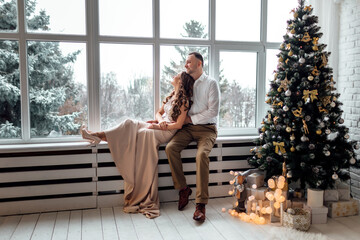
(42, 147)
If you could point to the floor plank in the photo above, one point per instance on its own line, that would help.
(244, 229)
(113, 223)
(124, 225)
(166, 227)
(61, 227)
(336, 230)
(216, 217)
(145, 228)
(44, 227)
(205, 229)
(91, 225)
(8, 226)
(75, 224)
(108, 224)
(181, 223)
(25, 228)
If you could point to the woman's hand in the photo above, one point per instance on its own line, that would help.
(163, 125)
(154, 126)
(152, 121)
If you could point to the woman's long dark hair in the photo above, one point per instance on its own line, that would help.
(183, 96)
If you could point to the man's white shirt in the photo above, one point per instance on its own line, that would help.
(206, 101)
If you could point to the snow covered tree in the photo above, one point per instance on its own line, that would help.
(50, 76)
(304, 127)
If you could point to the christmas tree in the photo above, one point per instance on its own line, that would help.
(304, 127)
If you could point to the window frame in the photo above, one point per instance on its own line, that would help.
(92, 39)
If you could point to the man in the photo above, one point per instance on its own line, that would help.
(200, 126)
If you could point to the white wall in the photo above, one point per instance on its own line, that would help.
(348, 82)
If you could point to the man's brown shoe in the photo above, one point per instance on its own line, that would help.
(184, 197)
(199, 214)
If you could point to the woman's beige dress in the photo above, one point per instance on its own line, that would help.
(134, 149)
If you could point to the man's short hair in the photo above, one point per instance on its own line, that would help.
(198, 56)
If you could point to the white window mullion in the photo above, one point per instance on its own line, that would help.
(156, 56)
(261, 72)
(93, 64)
(24, 83)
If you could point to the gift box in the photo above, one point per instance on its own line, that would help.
(300, 220)
(331, 195)
(343, 208)
(255, 178)
(259, 193)
(318, 214)
(315, 197)
(343, 190)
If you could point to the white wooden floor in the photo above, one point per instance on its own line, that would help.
(112, 223)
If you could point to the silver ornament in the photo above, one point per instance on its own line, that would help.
(288, 129)
(332, 104)
(289, 174)
(352, 160)
(286, 108)
(302, 60)
(310, 78)
(303, 138)
(357, 146)
(307, 118)
(346, 136)
(335, 176)
(341, 120)
(327, 131)
(302, 164)
(327, 153)
(322, 124)
(312, 156)
(292, 138)
(288, 93)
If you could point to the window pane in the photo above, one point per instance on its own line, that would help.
(238, 20)
(8, 15)
(271, 66)
(57, 88)
(126, 18)
(278, 14)
(237, 82)
(184, 19)
(172, 61)
(126, 86)
(65, 16)
(10, 108)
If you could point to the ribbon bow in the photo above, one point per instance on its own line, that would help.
(312, 94)
(279, 145)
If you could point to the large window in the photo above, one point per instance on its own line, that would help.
(64, 63)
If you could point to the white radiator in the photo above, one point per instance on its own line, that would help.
(44, 180)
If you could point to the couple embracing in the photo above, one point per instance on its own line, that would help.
(188, 114)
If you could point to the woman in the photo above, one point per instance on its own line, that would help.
(134, 147)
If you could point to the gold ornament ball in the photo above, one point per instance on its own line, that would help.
(292, 149)
(279, 89)
(310, 78)
(288, 129)
(318, 132)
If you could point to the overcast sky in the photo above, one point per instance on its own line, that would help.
(116, 18)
